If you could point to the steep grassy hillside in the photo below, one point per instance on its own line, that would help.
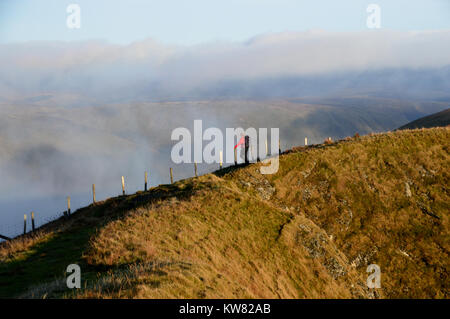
(308, 231)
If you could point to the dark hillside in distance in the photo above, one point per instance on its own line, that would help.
(434, 120)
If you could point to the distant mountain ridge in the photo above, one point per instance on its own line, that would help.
(434, 120)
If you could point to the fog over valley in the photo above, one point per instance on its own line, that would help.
(77, 113)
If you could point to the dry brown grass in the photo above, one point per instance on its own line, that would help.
(14, 247)
(357, 192)
(308, 231)
(221, 243)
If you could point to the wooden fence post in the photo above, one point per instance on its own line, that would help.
(145, 184)
(267, 149)
(68, 205)
(32, 221)
(171, 176)
(235, 157)
(306, 141)
(220, 159)
(93, 193)
(123, 186)
(24, 224)
(195, 169)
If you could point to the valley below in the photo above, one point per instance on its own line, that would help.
(55, 151)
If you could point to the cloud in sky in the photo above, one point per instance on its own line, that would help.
(57, 147)
(147, 67)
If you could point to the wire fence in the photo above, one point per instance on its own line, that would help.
(25, 225)
(11, 230)
(16, 227)
(20, 226)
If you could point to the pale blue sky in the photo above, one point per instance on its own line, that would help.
(197, 21)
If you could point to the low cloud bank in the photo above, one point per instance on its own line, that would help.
(150, 69)
(324, 84)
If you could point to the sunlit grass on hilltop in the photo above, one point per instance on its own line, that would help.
(308, 231)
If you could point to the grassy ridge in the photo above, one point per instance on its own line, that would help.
(437, 119)
(384, 199)
(308, 231)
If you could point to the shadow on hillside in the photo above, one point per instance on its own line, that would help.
(48, 260)
(229, 169)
